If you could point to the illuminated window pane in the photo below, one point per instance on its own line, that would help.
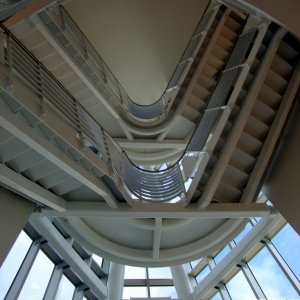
(163, 291)
(134, 291)
(202, 274)
(157, 273)
(217, 296)
(65, 289)
(38, 278)
(237, 284)
(270, 277)
(13, 262)
(247, 228)
(287, 242)
(135, 273)
(97, 259)
(195, 262)
(219, 257)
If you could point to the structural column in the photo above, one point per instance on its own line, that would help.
(181, 282)
(14, 213)
(115, 281)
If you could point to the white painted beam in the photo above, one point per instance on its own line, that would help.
(162, 210)
(152, 144)
(30, 190)
(153, 158)
(71, 257)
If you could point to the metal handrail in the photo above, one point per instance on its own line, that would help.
(138, 111)
(159, 186)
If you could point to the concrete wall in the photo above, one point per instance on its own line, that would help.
(285, 11)
(14, 213)
(282, 185)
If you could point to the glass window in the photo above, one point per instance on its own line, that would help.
(157, 273)
(134, 291)
(65, 289)
(163, 291)
(38, 278)
(237, 284)
(287, 242)
(270, 277)
(239, 237)
(269, 203)
(202, 274)
(97, 259)
(134, 273)
(222, 254)
(217, 296)
(195, 262)
(13, 262)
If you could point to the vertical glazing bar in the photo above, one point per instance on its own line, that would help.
(21, 277)
(53, 284)
(283, 265)
(78, 293)
(258, 292)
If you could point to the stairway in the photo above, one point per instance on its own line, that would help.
(21, 156)
(32, 34)
(216, 51)
(245, 158)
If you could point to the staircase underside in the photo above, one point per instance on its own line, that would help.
(43, 158)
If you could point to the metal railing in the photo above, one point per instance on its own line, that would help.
(9, 8)
(158, 186)
(168, 184)
(70, 37)
(53, 95)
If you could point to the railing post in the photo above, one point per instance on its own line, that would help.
(103, 71)
(120, 94)
(183, 197)
(106, 147)
(79, 126)
(62, 19)
(84, 48)
(9, 81)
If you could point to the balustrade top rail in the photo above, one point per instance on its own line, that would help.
(159, 186)
(144, 112)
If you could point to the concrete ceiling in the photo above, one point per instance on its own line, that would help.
(141, 41)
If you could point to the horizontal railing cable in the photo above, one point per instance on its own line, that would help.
(150, 186)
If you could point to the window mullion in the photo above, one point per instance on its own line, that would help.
(283, 265)
(53, 284)
(24, 270)
(258, 292)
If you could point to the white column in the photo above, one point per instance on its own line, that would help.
(115, 281)
(181, 282)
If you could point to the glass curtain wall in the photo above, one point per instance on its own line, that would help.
(271, 272)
